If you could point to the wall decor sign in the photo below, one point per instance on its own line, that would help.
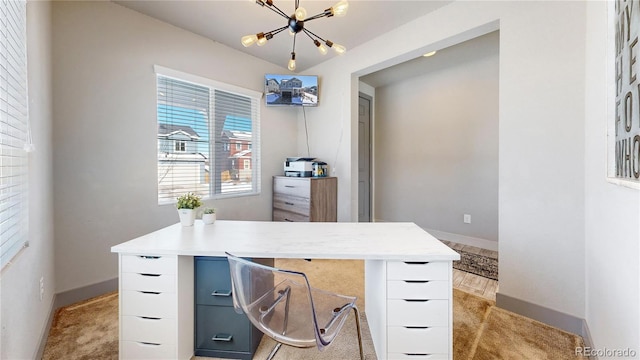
(627, 90)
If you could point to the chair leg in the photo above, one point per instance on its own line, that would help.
(274, 351)
(357, 315)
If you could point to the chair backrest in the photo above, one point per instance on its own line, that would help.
(281, 304)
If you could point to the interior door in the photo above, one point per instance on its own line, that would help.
(364, 158)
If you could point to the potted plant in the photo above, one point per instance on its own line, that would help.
(186, 208)
(209, 215)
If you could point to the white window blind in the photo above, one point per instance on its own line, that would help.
(205, 120)
(13, 129)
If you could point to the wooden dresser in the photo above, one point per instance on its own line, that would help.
(298, 199)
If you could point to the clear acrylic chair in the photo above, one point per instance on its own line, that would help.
(283, 305)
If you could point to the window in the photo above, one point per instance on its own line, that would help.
(181, 146)
(198, 120)
(13, 130)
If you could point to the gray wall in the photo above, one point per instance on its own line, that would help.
(105, 142)
(541, 187)
(612, 266)
(436, 142)
(23, 315)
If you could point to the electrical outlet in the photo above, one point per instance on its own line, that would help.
(467, 219)
(41, 287)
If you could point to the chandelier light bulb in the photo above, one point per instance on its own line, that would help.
(321, 48)
(292, 63)
(249, 40)
(339, 49)
(340, 9)
(301, 13)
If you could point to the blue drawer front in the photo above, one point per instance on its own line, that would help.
(213, 281)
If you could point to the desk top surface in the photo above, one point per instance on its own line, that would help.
(310, 240)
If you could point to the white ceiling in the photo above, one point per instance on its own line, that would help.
(227, 21)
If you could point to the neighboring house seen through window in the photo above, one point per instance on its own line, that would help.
(197, 120)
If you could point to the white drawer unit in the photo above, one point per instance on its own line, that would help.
(431, 340)
(150, 303)
(147, 351)
(400, 270)
(417, 313)
(418, 289)
(419, 310)
(147, 329)
(149, 264)
(420, 356)
(149, 282)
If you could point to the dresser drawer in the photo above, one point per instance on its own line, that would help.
(291, 203)
(221, 328)
(149, 264)
(433, 340)
(418, 313)
(292, 186)
(149, 282)
(140, 350)
(418, 289)
(398, 270)
(281, 215)
(149, 330)
(213, 281)
(417, 356)
(158, 305)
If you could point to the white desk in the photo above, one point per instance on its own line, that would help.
(402, 262)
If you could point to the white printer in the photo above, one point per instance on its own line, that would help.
(298, 166)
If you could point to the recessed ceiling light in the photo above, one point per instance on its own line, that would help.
(429, 54)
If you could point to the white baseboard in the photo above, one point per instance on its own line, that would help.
(465, 240)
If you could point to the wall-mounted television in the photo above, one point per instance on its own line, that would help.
(291, 90)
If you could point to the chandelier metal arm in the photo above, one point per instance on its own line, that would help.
(326, 13)
(294, 43)
(276, 31)
(309, 33)
(271, 6)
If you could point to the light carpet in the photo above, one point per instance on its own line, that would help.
(89, 330)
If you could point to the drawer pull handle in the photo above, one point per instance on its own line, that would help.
(146, 274)
(149, 257)
(289, 203)
(416, 262)
(289, 186)
(289, 220)
(226, 293)
(150, 292)
(417, 327)
(148, 318)
(149, 343)
(416, 281)
(222, 337)
(416, 300)
(416, 354)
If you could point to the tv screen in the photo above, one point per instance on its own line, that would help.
(291, 90)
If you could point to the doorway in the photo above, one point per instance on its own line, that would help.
(364, 157)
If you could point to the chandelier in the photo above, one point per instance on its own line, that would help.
(295, 24)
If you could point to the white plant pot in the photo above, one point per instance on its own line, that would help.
(208, 218)
(187, 216)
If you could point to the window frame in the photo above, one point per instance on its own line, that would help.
(16, 133)
(213, 85)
